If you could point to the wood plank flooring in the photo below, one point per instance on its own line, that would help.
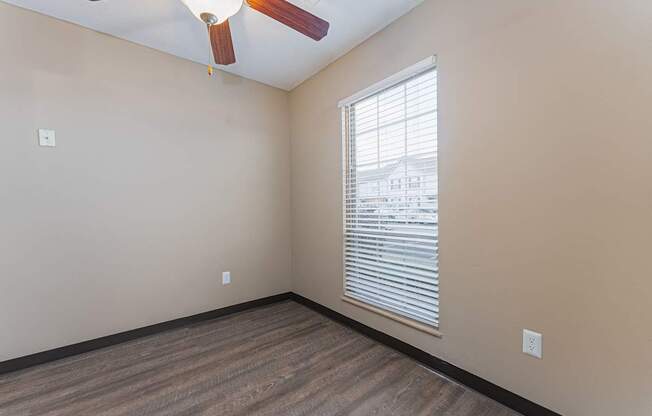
(282, 359)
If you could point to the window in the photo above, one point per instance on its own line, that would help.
(390, 196)
(415, 182)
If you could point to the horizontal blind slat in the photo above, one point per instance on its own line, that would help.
(410, 256)
(389, 273)
(390, 267)
(388, 259)
(402, 245)
(409, 289)
(433, 289)
(387, 291)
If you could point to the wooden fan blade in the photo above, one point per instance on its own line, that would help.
(222, 43)
(292, 16)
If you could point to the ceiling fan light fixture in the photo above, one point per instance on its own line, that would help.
(213, 11)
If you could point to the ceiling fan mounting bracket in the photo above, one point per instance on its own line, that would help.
(209, 18)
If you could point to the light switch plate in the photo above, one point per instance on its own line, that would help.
(532, 343)
(226, 278)
(46, 138)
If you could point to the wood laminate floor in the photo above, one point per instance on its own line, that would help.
(282, 359)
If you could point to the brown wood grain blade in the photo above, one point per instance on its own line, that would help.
(222, 43)
(292, 16)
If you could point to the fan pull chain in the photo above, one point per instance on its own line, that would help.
(210, 67)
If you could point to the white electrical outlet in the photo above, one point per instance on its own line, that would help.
(226, 278)
(46, 138)
(532, 343)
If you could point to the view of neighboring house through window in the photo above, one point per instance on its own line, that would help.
(390, 193)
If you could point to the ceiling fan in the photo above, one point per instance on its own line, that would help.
(216, 13)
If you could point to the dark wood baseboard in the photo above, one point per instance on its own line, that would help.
(95, 344)
(481, 385)
(499, 394)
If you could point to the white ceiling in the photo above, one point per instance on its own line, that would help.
(266, 50)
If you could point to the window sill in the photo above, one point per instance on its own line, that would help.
(405, 321)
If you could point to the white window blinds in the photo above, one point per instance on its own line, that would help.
(390, 194)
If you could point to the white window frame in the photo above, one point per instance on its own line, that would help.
(421, 67)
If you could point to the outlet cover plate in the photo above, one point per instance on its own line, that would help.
(532, 343)
(226, 278)
(46, 138)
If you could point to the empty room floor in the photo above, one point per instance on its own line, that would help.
(283, 359)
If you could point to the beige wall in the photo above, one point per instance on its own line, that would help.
(162, 178)
(546, 191)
